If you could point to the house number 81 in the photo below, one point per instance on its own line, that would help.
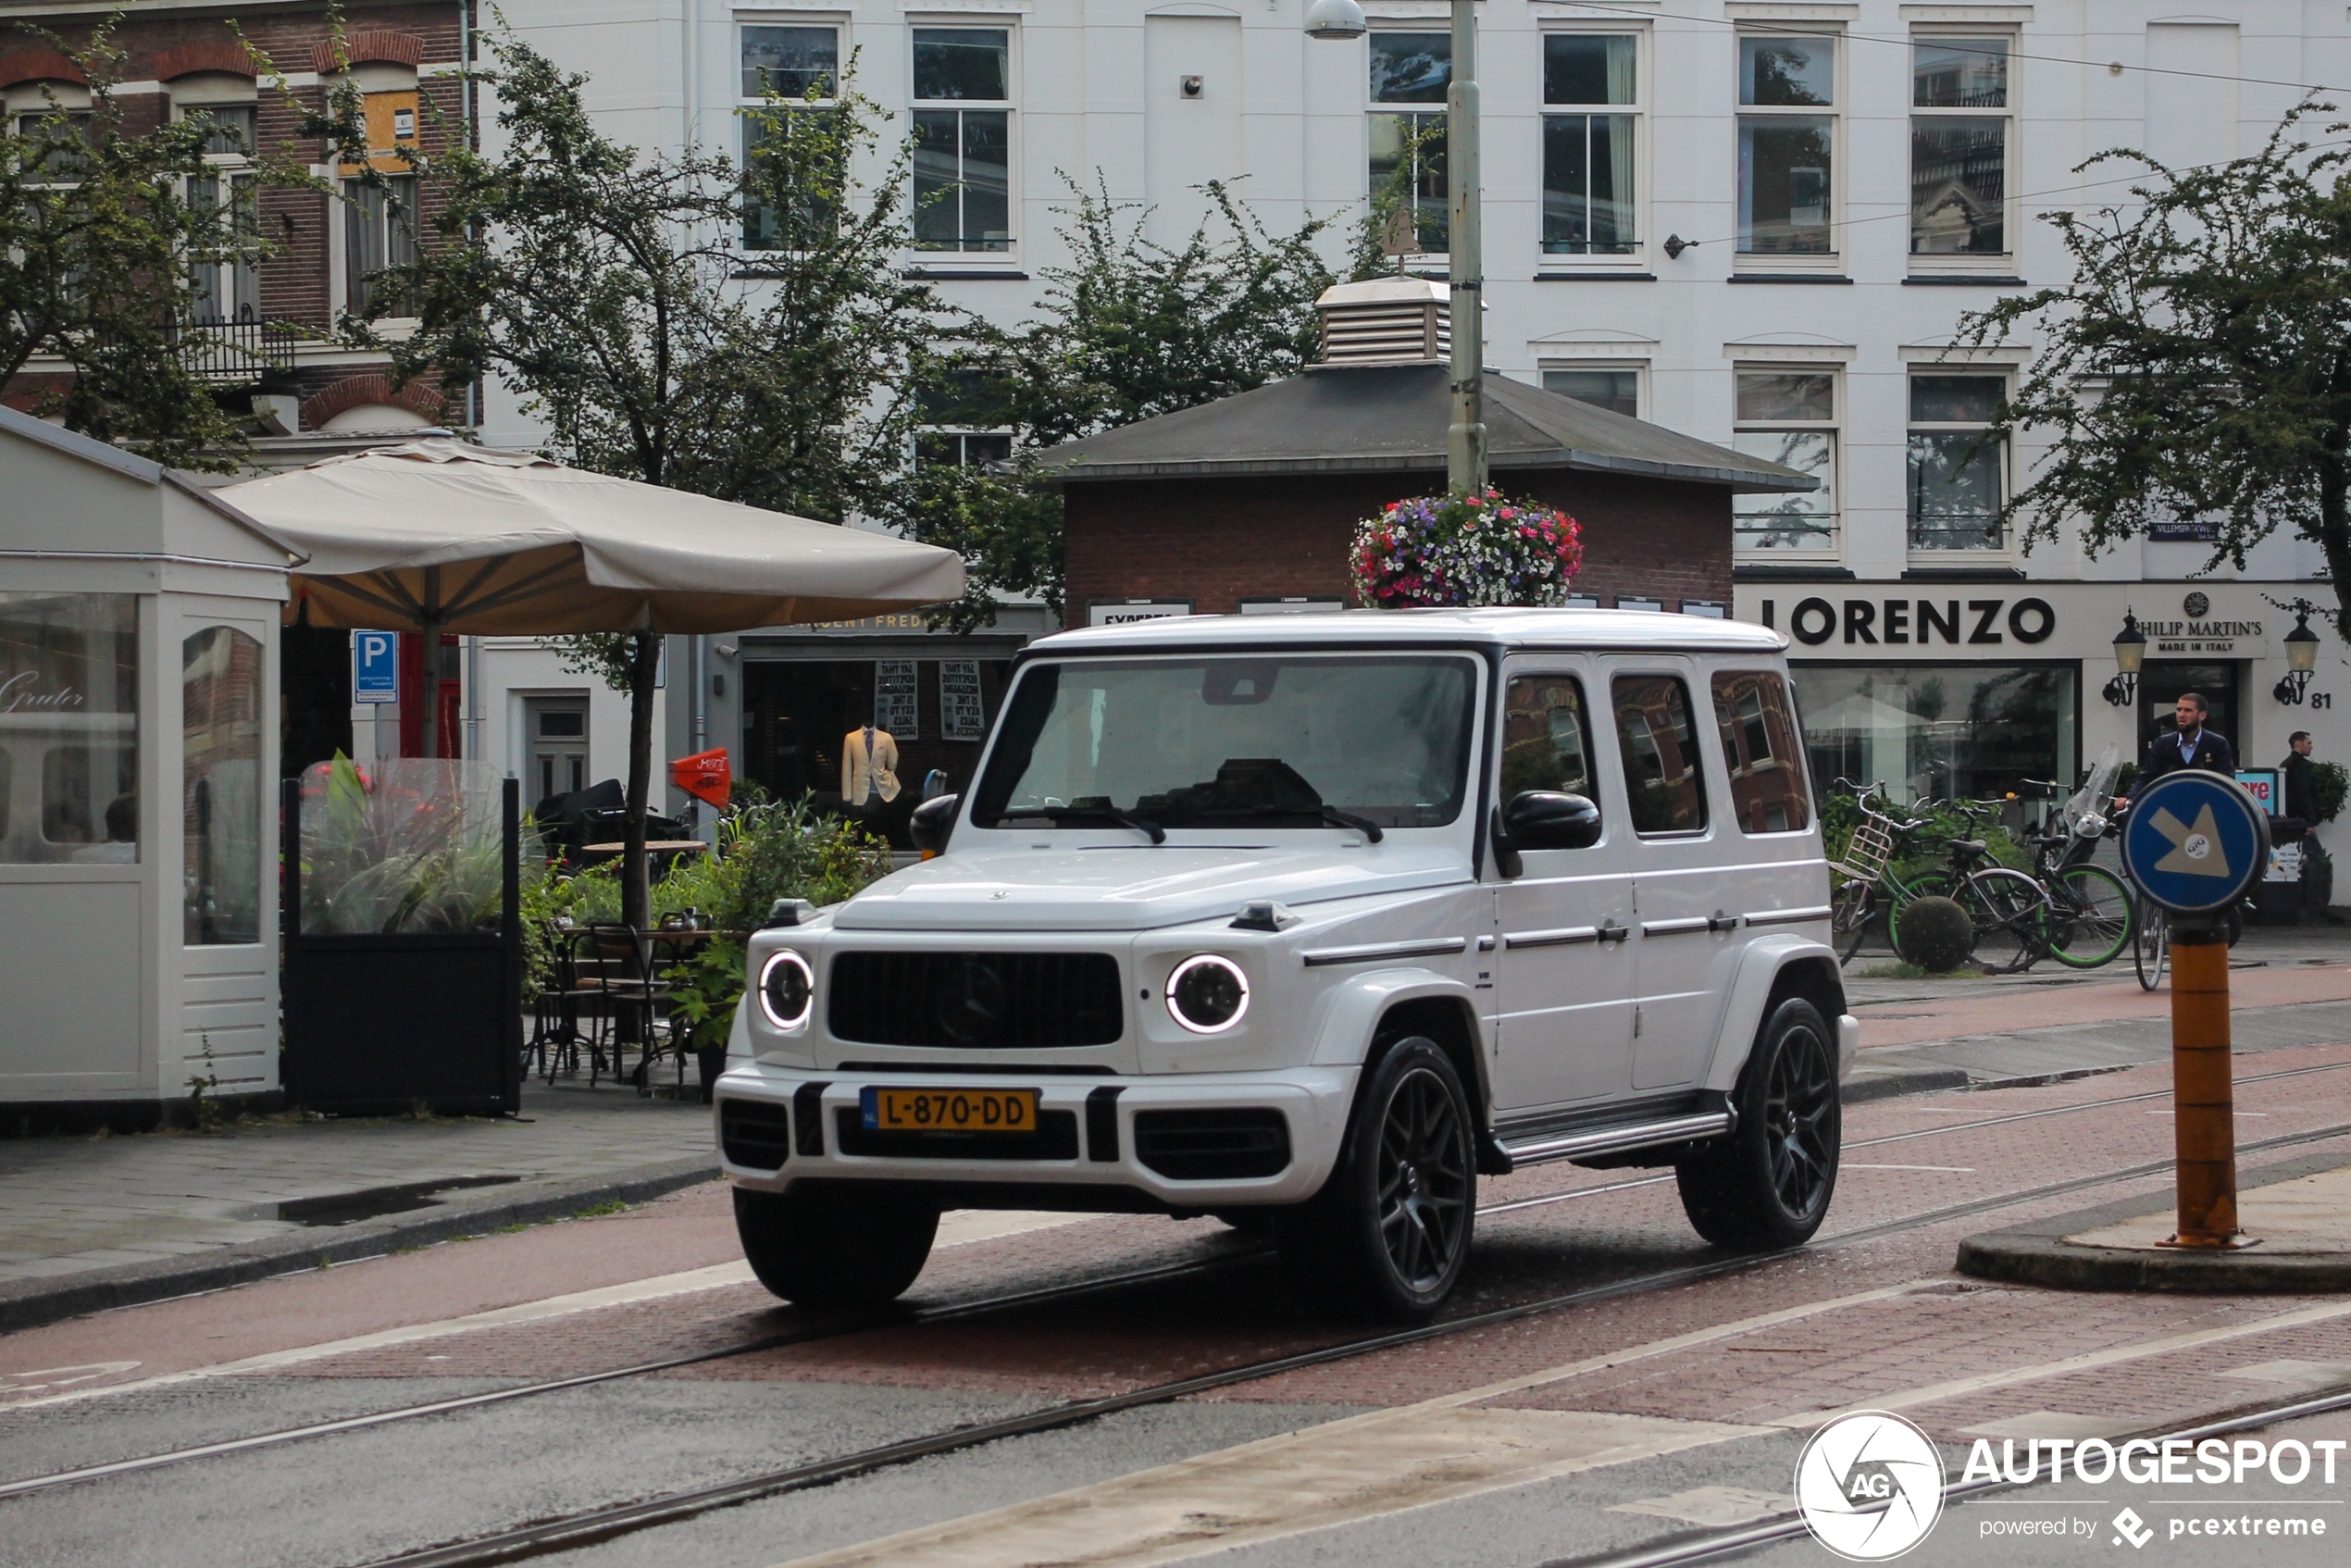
(2322, 699)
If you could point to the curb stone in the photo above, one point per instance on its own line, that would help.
(2038, 1254)
(32, 1303)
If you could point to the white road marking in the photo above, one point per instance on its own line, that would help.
(2055, 1423)
(960, 1228)
(1948, 1170)
(1711, 1505)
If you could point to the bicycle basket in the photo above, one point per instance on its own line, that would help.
(1871, 847)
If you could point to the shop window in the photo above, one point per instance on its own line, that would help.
(220, 718)
(1962, 137)
(1591, 136)
(1546, 739)
(1957, 470)
(69, 728)
(1789, 417)
(1941, 731)
(1612, 387)
(800, 65)
(962, 139)
(1410, 74)
(1660, 746)
(1763, 746)
(1787, 134)
(380, 231)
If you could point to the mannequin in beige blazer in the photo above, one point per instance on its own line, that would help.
(868, 766)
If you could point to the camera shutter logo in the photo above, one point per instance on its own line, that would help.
(1870, 1486)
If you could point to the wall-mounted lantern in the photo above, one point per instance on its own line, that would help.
(2130, 657)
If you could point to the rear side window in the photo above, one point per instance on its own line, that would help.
(1546, 739)
(1760, 741)
(1660, 744)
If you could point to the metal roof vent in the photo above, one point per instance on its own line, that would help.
(1386, 321)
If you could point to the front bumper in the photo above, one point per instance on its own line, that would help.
(1102, 1170)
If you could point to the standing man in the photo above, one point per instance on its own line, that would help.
(2301, 793)
(2189, 745)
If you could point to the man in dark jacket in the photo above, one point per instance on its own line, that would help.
(2301, 790)
(2190, 745)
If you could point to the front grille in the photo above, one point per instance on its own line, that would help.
(754, 1133)
(975, 1000)
(1212, 1145)
(1055, 1139)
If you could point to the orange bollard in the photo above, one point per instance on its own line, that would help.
(2203, 1089)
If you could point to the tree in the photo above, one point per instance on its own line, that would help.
(740, 333)
(1130, 329)
(2198, 365)
(98, 242)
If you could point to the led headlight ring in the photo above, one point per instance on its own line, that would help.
(786, 989)
(1208, 994)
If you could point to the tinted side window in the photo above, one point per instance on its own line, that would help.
(1660, 755)
(1546, 736)
(1763, 746)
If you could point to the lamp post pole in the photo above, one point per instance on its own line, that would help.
(1466, 464)
(1465, 457)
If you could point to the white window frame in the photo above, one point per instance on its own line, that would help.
(1638, 368)
(240, 173)
(1996, 264)
(943, 259)
(1833, 547)
(2006, 550)
(1831, 261)
(1644, 91)
(346, 280)
(835, 22)
(1374, 109)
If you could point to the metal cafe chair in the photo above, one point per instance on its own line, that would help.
(635, 997)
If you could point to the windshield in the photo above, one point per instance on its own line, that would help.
(1269, 742)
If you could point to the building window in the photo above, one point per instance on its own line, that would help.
(67, 135)
(962, 139)
(227, 285)
(966, 420)
(1960, 141)
(1589, 170)
(1958, 474)
(1614, 388)
(800, 64)
(1941, 731)
(1410, 74)
(1790, 417)
(1786, 145)
(70, 751)
(380, 231)
(221, 712)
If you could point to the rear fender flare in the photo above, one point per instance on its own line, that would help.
(1759, 974)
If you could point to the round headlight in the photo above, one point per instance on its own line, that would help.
(1207, 994)
(786, 986)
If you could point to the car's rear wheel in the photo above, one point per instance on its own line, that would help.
(1390, 1231)
(834, 1250)
(1768, 1184)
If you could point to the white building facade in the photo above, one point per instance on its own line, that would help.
(1757, 223)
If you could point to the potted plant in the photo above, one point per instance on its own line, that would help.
(1474, 548)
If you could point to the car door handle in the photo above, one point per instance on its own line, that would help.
(1613, 932)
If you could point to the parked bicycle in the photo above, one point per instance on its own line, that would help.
(2007, 909)
(2094, 914)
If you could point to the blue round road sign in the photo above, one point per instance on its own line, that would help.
(2195, 841)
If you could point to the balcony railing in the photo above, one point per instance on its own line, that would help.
(1811, 533)
(232, 352)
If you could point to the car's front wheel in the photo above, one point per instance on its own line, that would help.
(1390, 1230)
(833, 1250)
(1767, 1183)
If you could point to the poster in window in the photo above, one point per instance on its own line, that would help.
(962, 715)
(894, 704)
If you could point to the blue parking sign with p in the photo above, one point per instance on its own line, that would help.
(374, 667)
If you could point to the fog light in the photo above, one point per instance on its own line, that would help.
(1208, 994)
(786, 987)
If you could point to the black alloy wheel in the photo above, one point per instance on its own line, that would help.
(1390, 1231)
(834, 1248)
(1768, 1183)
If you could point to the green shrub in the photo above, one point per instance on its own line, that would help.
(1933, 933)
(2331, 783)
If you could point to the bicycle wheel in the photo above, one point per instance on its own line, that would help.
(2150, 945)
(2011, 917)
(2090, 917)
(1849, 919)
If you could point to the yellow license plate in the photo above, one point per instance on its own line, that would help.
(951, 1110)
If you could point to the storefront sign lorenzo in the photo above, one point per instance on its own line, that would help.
(1902, 622)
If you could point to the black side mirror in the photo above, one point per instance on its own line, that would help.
(932, 822)
(1547, 820)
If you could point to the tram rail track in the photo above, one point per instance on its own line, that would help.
(585, 1528)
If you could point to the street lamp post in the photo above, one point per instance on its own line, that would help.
(1465, 455)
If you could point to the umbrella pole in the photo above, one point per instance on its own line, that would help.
(429, 625)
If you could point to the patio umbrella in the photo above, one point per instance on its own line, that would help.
(437, 536)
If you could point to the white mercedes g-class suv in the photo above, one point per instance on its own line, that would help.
(1309, 921)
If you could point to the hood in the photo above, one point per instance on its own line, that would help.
(1123, 889)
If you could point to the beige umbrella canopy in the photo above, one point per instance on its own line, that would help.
(439, 536)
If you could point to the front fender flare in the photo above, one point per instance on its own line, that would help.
(1759, 969)
(1351, 1012)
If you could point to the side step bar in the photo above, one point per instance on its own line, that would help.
(1543, 1148)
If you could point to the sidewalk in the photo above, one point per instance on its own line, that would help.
(105, 1221)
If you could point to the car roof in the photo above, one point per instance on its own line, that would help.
(1561, 628)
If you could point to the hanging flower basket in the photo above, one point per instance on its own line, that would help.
(1466, 550)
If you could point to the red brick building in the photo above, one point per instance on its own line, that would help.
(1255, 499)
(262, 331)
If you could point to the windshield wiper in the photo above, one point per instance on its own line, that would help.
(1330, 816)
(1058, 815)
(1362, 825)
